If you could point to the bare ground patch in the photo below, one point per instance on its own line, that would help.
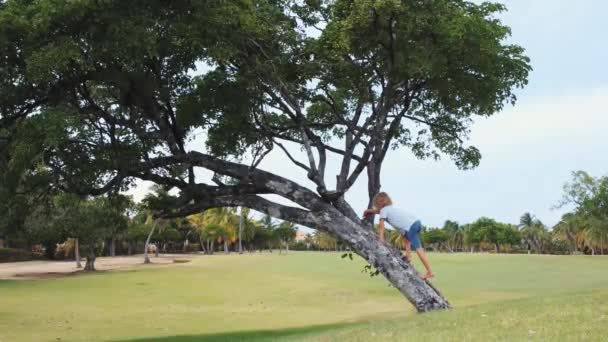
(29, 270)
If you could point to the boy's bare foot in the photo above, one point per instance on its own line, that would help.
(428, 275)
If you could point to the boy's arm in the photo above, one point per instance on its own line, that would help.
(368, 212)
(381, 230)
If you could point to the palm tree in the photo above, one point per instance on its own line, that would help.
(533, 232)
(210, 225)
(571, 229)
(250, 227)
(595, 233)
(212, 233)
(396, 238)
(158, 197)
(269, 226)
(285, 233)
(152, 224)
(325, 241)
(198, 222)
(471, 237)
(243, 216)
(229, 223)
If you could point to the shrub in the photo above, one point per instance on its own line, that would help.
(193, 247)
(13, 254)
(299, 246)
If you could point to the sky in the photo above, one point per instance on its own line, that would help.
(558, 125)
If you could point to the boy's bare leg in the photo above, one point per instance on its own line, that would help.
(429, 274)
(408, 250)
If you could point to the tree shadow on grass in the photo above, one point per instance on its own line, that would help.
(250, 335)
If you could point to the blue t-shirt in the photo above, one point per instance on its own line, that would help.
(398, 218)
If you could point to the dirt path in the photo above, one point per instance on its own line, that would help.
(50, 269)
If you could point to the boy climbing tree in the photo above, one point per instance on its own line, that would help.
(408, 225)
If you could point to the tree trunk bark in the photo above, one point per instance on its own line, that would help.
(129, 248)
(226, 246)
(77, 253)
(573, 241)
(200, 240)
(90, 264)
(537, 246)
(497, 247)
(112, 247)
(373, 187)
(147, 244)
(386, 259)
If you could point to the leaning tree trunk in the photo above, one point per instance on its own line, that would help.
(226, 251)
(77, 253)
(386, 259)
(90, 264)
(147, 244)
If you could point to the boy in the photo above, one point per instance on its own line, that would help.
(407, 224)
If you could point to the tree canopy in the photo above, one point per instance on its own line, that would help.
(122, 87)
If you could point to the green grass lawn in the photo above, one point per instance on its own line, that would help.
(313, 296)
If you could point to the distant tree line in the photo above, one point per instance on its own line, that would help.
(57, 225)
(63, 225)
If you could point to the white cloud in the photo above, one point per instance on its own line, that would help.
(576, 118)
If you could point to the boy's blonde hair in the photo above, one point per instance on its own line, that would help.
(384, 196)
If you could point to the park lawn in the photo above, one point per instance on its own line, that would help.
(312, 296)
